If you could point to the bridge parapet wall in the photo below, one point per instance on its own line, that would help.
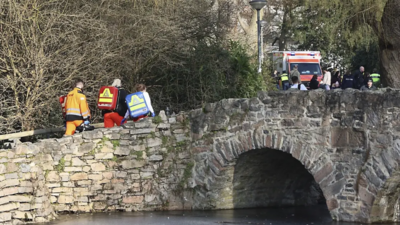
(348, 140)
(142, 167)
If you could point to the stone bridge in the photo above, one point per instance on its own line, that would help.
(339, 148)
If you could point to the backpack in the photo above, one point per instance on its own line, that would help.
(137, 105)
(63, 100)
(108, 98)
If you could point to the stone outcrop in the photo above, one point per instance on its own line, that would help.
(343, 144)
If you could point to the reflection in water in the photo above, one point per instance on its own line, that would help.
(313, 215)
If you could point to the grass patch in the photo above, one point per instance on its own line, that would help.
(157, 120)
(187, 173)
(115, 144)
(104, 140)
(139, 154)
(92, 152)
(185, 122)
(114, 159)
(165, 140)
(61, 165)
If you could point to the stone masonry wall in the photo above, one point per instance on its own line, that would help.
(143, 167)
(349, 141)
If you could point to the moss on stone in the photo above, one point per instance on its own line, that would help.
(185, 122)
(104, 139)
(165, 140)
(115, 144)
(114, 159)
(157, 120)
(92, 152)
(61, 165)
(139, 154)
(152, 134)
(187, 173)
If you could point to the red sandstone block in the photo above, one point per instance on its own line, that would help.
(132, 199)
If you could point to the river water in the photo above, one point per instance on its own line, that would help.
(315, 215)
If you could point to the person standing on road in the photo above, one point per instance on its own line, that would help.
(369, 87)
(327, 79)
(285, 81)
(348, 80)
(275, 77)
(297, 85)
(295, 73)
(376, 78)
(336, 80)
(359, 78)
(314, 84)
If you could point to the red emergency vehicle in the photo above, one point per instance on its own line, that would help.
(308, 63)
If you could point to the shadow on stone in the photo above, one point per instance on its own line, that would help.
(271, 178)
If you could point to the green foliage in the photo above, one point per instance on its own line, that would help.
(92, 152)
(165, 140)
(152, 134)
(114, 159)
(61, 165)
(186, 122)
(139, 154)
(366, 56)
(246, 81)
(157, 120)
(115, 144)
(341, 30)
(105, 139)
(211, 71)
(187, 173)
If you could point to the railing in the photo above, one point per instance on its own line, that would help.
(41, 131)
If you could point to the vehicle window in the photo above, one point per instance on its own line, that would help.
(307, 68)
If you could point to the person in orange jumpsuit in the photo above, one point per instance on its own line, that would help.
(77, 109)
(116, 116)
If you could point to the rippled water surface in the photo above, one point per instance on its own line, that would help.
(314, 215)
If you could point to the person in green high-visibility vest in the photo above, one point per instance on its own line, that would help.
(376, 78)
(285, 81)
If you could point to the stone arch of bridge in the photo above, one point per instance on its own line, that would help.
(211, 167)
(270, 178)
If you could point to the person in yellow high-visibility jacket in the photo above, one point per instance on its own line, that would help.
(77, 109)
(376, 78)
(285, 81)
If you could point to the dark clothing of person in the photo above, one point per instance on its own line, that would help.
(121, 107)
(366, 80)
(314, 84)
(285, 85)
(366, 88)
(358, 79)
(336, 79)
(276, 79)
(348, 81)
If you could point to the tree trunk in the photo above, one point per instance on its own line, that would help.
(284, 31)
(389, 43)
